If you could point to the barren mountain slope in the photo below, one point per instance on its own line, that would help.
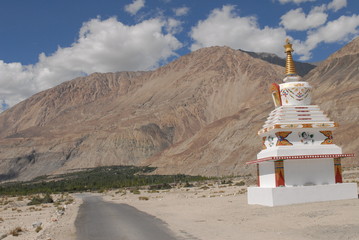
(125, 118)
(223, 147)
(336, 90)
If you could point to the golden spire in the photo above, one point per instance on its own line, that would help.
(289, 66)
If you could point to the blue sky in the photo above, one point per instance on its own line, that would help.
(46, 42)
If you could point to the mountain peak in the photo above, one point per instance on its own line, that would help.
(302, 68)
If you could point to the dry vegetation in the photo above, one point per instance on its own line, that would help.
(26, 217)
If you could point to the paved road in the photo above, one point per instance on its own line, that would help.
(100, 220)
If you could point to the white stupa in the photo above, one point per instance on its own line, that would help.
(299, 162)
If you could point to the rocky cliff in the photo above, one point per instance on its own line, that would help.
(336, 91)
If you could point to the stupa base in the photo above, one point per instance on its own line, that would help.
(301, 194)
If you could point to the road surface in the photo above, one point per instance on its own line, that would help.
(100, 220)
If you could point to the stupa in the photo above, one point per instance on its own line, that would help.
(299, 162)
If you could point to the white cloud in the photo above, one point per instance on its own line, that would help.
(173, 26)
(181, 11)
(134, 7)
(16, 82)
(103, 46)
(294, 1)
(342, 29)
(225, 27)
(335, 5)
(297, 20)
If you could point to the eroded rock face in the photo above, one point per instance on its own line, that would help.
(222, 147)
(336, 89)
(128, 117)
(196, 115)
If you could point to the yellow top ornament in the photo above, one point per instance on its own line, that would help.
(289, 66)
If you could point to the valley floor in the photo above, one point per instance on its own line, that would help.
(41, 222)
(209, 211)
(222, 212)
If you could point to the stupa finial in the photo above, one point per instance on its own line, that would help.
(289, 66)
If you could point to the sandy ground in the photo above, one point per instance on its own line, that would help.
(55, 224)
(207, 211)
(221, 212)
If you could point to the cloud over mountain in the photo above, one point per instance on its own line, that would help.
(102, 46)
(225, 27)
(344, 28)
(297, 20)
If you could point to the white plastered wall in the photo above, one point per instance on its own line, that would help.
(267, 174)
(307, 172)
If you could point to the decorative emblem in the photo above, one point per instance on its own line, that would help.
(338, 170)
(282, 141)
(274, 88)
(329, 139)
(270, 141)
(279, 173)
(263, 143)
(306, 137)
(298, 94)
(289, 126)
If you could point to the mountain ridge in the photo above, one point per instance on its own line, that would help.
(196, 115)
(301, 67)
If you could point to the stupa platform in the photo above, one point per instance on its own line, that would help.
(312, 156)
(278, 196)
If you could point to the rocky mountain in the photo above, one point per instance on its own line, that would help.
(336, 84)
(218, 148)
(196, 115)
(301, 67)
(126, 118)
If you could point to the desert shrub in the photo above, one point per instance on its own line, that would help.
(153, 191)
(241, 183)
(16, 231)
(188, 185)
(38, 229)
(60, 208)
(160, 186)
(38, 200)
(135, 191)
(143, 198)
(226, 182)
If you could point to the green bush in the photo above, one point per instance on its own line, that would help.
(160, 186)
(241, 183)
(135, 191)
(16, 231)
(188, 185)
(38, 200)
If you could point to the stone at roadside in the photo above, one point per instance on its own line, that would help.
(3, 235)
(36, 224)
